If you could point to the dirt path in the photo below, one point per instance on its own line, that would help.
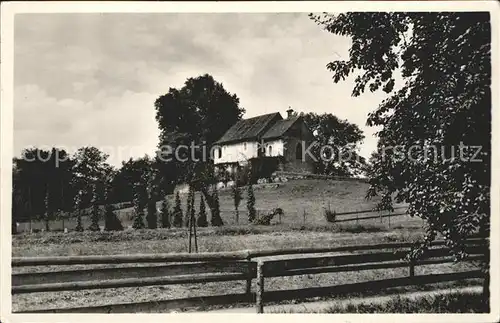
(315, 307)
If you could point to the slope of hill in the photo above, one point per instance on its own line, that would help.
(303, 202)
(295, 197)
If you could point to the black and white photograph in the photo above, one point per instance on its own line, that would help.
(250, 157)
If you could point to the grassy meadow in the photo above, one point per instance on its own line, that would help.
(293, 197)
(210, 239)
(452, 302)
(303, 202)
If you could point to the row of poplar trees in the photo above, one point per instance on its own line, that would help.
(146, 197)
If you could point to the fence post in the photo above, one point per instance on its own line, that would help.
(248, 289)
(412, 268)
(304, 216)
(259, 303)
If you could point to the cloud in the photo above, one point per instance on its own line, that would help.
(91, 79)
(123, 125)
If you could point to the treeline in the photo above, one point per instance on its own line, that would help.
(53, 184)
(49, 184)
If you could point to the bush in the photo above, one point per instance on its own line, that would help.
(177, 213)
(201, 221)
(79, 226)
(456, 302)
(165, 214)
(94, 218)
(94, 215)
(111, 221)
(236, 231)
(251, 204)
(236, 194)
(265, 219)
(358, 228)
(216, 220)
(139, 210)
(152, 216)
(330, 215)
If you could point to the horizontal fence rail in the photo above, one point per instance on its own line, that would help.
(300, 266)
(369, 217)
(128, 282)
(376, 285)
(248, 265)
(371, 211)
(317, 176)
(122, 259)
(46, 277)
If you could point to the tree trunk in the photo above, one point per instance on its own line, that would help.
(190, 225)
(486, 289)
(212, 205)
(208, 197)
(195, 235)
(484, 232)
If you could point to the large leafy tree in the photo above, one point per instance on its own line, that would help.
(142, 170)
(143, 174)
(199, 113)
(342, 159)
(90, 169)
(443, 103)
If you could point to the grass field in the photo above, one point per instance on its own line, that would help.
(303, 201)
(293, 197)
(454, 300)
(227, 238)
(449, 303)
(210, 239)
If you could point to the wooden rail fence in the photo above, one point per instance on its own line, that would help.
(174, 269)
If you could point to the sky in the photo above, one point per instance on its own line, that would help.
(91, 79)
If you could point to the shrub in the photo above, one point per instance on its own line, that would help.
(455, 302)
(236, 194)
(47, 212)
(236, 231)
(201, 221)
(94, 215)
(139, 210)
(79, 226)
(251, 204)
(177, 214)
(165, 214)
(76, 207)
(111, 221)
(216, 220)
(152, 216)
(358, 228)
(265, 219)
(330, 215)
